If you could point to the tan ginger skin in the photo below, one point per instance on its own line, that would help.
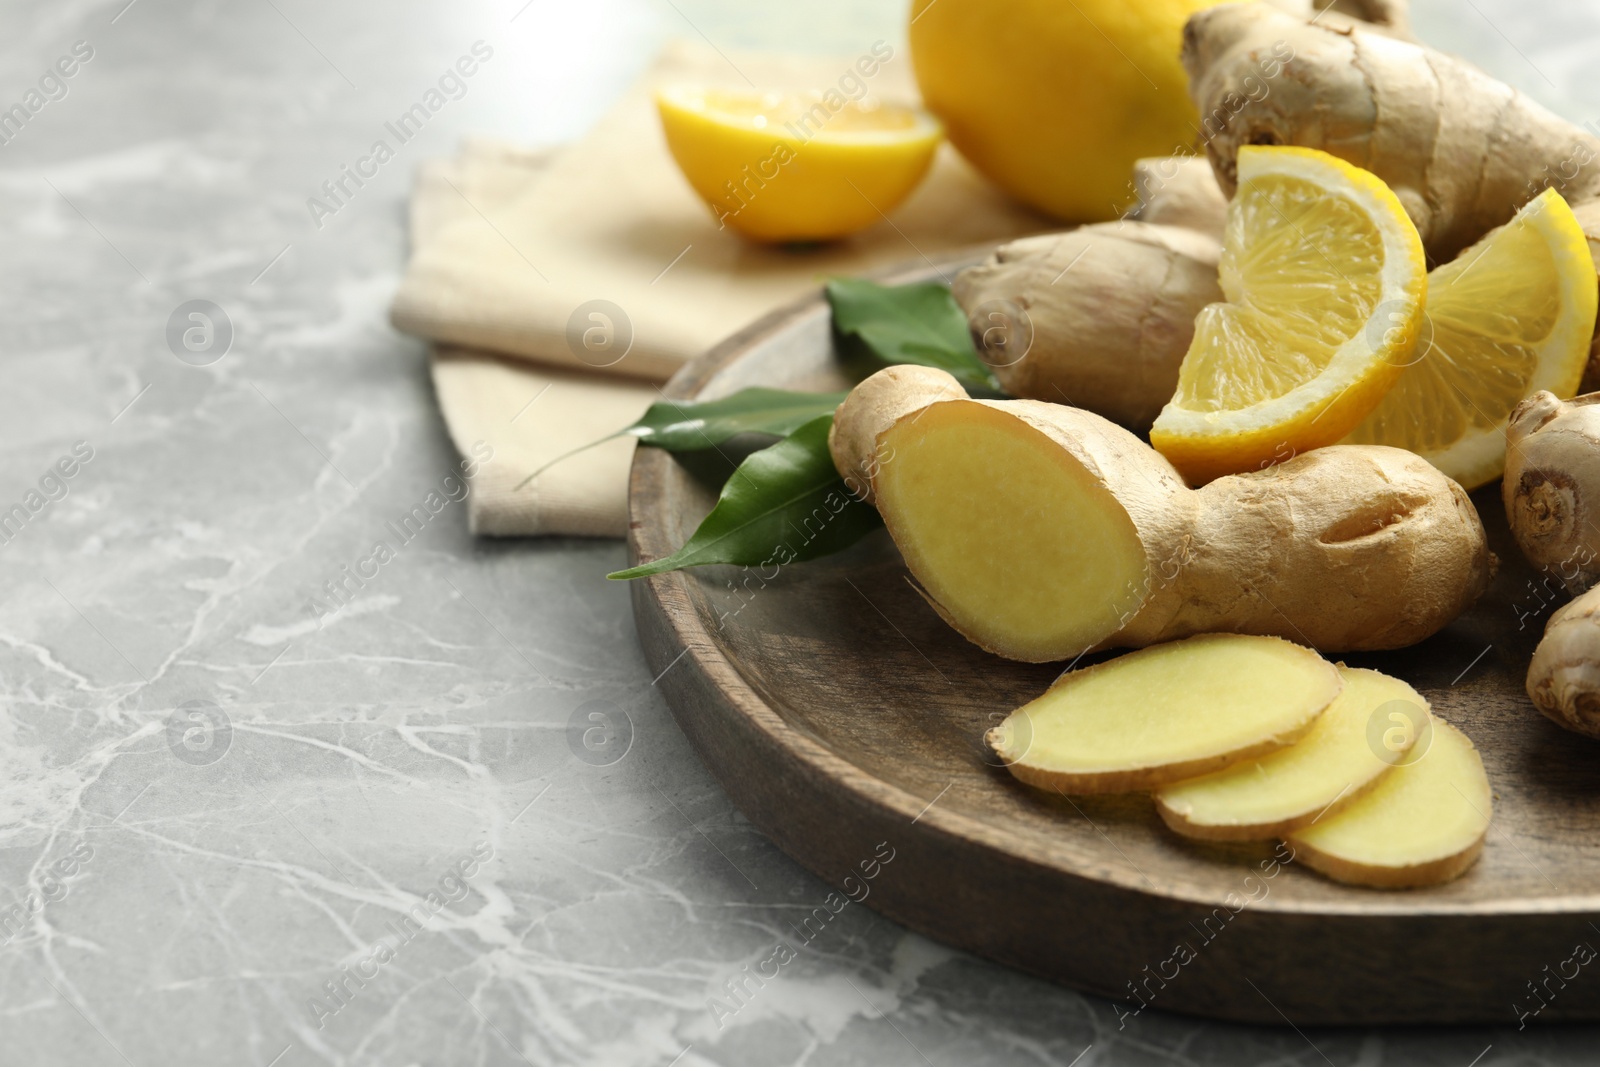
(1461, 150)
(1551, 488)
(877, 402)
(1345, 548)
(1588, 215)
(1551, 491)
(1180, 191)
(1109, 308)
(1564, 674)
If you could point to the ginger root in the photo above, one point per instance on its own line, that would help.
(1588, 215)
(1551, 493)
(1180, 191)
(1388, 16)
(1461, 150)
(1166, 713)
(1106, 313)
(1551, 489)
(1041, 532)
(1564, 674)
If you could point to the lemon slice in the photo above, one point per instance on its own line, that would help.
(797, 166)
(1324, 279)
(1511, 315)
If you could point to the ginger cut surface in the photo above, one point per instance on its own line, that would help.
(1166, 713)
(1374, 724)
(1423, 823)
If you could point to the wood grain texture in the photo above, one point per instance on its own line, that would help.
(839, 712)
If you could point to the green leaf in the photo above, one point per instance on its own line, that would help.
(783, 504)
(687, 425)
(690, 425)
(920, 324)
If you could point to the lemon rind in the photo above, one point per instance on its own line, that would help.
(1478, 457)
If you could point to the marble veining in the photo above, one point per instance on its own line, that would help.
(448, 819)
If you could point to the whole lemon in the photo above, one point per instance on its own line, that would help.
(1054, 100)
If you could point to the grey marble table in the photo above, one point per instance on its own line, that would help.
(230, 837)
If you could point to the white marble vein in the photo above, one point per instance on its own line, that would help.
(193, 892)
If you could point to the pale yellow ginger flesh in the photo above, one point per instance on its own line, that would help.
(1166, 713)
(1423, 823)
(1372, 726)
(981, 504)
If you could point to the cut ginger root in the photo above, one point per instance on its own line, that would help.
(1041, 532)
(1332, 765)
(1423, 823)
(1166, 713)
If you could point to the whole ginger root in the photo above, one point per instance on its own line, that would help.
(1551, 489)
(1564, 674)
(1551, 492)
(1180, 191)
(1041, 531)
(1105, 314)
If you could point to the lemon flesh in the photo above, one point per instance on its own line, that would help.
(1324, 278)
(793, 166)
(1510, 316)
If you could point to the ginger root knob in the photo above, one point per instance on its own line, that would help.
(1552, 486)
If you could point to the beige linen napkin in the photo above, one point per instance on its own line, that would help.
(512, 248)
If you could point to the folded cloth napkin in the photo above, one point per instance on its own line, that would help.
(562, 287)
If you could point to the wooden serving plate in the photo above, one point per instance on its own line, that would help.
(839, 712)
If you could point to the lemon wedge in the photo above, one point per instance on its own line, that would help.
(1511, 315)
(1325, 280)
(797, 166)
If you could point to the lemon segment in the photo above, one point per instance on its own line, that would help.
(1511, 315)
(796, 166)
(1324, 280)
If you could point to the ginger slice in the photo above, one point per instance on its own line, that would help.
(1166, 713)
(1373, 725)
(1423, 823)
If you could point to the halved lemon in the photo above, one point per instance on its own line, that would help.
(1511, 315)
(1325, 280)
(797, 166)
